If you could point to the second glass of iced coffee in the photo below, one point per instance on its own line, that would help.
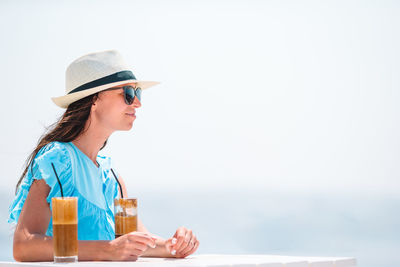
(125, 214)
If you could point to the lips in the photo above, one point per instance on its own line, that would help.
(131, 114)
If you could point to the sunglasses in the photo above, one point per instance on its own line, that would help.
(130, 93)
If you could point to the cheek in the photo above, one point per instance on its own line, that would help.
(109, 115)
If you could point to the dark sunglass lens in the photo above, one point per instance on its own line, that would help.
(129, 94)
(139, 94)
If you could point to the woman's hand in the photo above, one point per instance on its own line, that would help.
(130, 246)
(183, 243)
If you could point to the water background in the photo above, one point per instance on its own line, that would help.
(244, 222)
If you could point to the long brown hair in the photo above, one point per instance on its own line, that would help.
(67, 128)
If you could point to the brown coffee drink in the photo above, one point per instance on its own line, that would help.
(125, 214)
(65, 228)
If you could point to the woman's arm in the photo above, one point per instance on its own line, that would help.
(31, 244)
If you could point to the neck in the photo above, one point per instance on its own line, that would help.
(91, 140)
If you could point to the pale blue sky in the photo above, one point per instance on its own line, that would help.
(288, 95)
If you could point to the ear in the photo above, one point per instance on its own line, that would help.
(94, 107)
(95, 103)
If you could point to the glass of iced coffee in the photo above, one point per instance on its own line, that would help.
(65, 228)
(125, 214)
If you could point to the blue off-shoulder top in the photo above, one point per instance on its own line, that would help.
(94, 186)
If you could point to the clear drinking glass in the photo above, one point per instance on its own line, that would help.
(65, 228)
(125, 214)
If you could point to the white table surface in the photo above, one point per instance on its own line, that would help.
(208, 260)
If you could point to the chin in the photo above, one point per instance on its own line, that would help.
(129, 126)
(125, 127)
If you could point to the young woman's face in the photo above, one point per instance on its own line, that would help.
(111, 111)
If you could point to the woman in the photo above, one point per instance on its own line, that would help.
(102, 97)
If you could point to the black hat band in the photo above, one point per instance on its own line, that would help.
(116, 77)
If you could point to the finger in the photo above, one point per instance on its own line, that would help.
(139, 246)
(193, 250)
(133, 244)
(145, 239)
(180, 236)
(183, 237)
(169, 243)
(136, 248)
(129, 247)
(189, 247)
(155, 236)
(144, 234)
(152, 236)
(129, 252)
(152, 245)
(138, 252)
(186, 240)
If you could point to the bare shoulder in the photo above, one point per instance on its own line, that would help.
(37, 195)
(39, 188)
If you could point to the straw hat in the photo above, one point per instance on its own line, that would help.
(95, 72)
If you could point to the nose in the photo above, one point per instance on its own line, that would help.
(136, 103)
